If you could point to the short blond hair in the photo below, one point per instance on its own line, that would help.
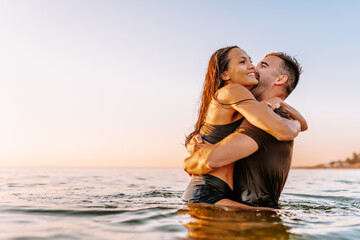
(291, 68)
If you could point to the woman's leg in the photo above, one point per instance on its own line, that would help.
(231, 203)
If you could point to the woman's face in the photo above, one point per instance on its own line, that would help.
(240, 69)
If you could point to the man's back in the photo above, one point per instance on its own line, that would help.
(260, 178)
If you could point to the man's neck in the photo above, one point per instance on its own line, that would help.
(271, 94)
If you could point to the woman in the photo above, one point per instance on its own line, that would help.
(230, 76)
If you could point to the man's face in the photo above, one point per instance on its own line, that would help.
(266, 72)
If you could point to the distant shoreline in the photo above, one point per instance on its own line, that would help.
(349, 163)
(333, 165)
(325, 167)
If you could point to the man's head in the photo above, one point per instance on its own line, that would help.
(278, 75)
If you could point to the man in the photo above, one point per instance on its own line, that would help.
(260, 175)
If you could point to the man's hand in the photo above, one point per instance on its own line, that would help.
(197, 163)
(195, 144)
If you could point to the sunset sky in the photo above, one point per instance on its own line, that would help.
(117, 83)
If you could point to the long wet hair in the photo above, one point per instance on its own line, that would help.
(218, 64)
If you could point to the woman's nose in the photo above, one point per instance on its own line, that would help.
(251, 66)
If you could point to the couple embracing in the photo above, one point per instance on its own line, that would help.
(241, 147)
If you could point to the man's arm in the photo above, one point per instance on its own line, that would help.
(232, 148)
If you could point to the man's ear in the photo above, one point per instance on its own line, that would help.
(281, 80)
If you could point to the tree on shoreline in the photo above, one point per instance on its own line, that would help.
(355, 158)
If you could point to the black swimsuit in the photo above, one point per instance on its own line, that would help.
(208, 188)
(215, 133)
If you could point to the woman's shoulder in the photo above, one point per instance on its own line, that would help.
(232, 93)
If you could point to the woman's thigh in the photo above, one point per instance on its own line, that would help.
(231, 203)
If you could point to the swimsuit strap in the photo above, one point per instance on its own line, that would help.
(235, 103)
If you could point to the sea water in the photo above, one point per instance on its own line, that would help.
(101, 203)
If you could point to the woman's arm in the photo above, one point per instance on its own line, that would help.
(294, 114)
(258, 114)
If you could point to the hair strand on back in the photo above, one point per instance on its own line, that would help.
(213, 81)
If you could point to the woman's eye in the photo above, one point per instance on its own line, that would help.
(242, 62)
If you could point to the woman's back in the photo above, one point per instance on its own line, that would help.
(215, 133)
(221, 120)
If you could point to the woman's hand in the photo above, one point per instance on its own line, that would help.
(274, 102)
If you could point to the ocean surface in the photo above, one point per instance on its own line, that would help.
(100, 203)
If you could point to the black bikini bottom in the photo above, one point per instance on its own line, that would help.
(206, 189)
